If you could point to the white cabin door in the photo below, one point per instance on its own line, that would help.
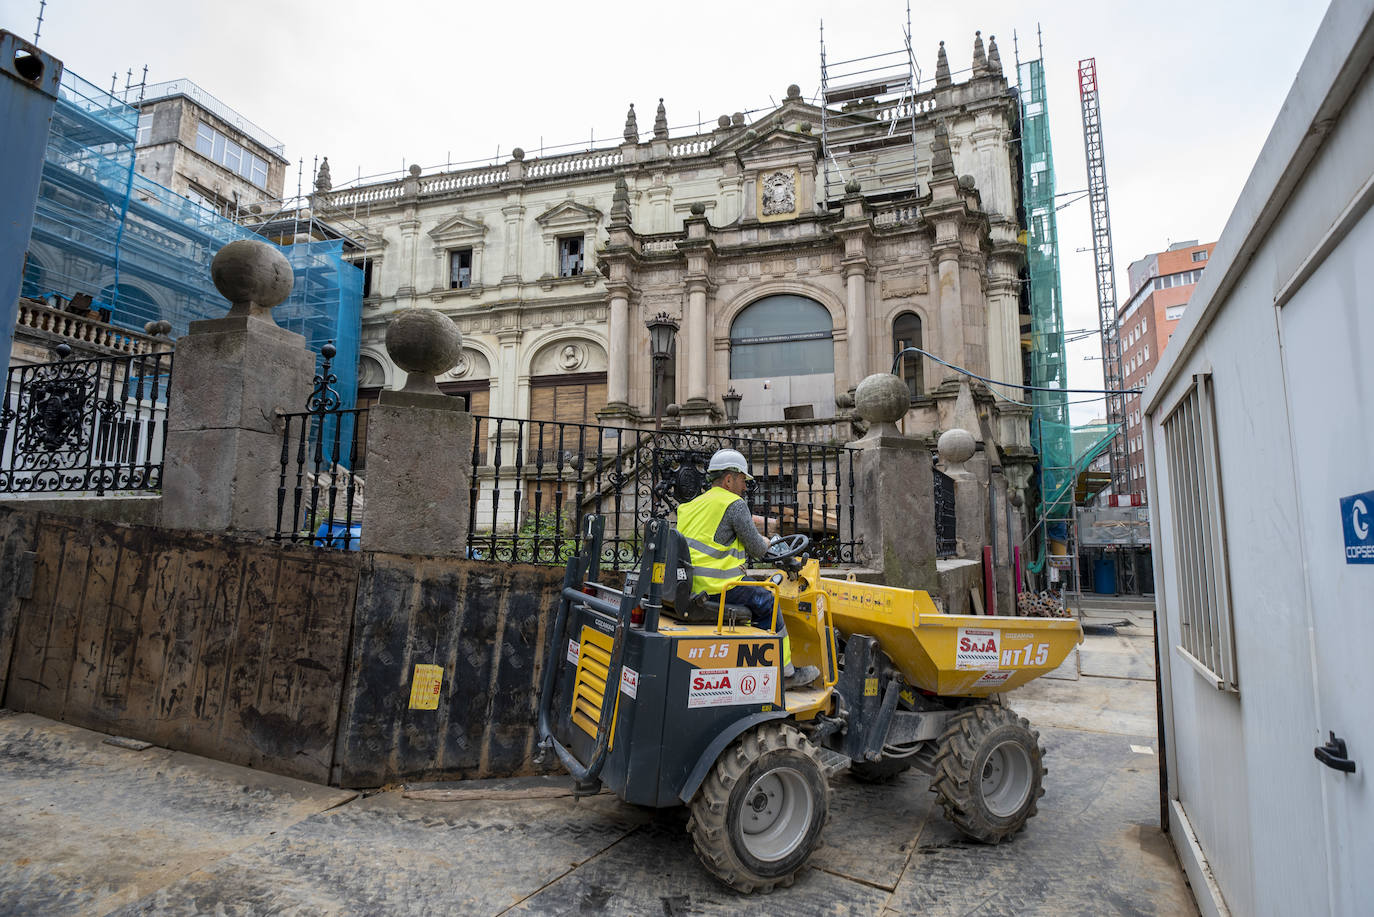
(1327, 331)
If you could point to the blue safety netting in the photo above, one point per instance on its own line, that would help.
(143, 252)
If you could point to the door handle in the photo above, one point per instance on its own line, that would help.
(1332, 754)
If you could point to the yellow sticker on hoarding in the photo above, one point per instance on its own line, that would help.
(424, 687)
(658, 573)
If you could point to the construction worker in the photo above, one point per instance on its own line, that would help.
(720, 531)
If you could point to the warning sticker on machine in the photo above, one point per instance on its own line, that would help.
(629, 682)
(992, 679)
(573, 649)
(976, 648)
(727, 687)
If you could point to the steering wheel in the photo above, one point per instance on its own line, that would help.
(790, 546)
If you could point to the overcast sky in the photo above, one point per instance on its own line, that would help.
(1188, 90)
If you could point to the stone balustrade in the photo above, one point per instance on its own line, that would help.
(896, 216)
(818, 430)
(697, 146)
(461, 181)
(577, 162)
(89, 331)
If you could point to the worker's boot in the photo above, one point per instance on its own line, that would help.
(799, 678)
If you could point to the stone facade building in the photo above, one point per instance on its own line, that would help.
(790, 296)
(202, 149)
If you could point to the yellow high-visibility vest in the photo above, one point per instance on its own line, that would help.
(715, 566)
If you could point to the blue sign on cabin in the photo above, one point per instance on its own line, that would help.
(1357, 518)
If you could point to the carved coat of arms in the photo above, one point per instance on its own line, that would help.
(779, 194)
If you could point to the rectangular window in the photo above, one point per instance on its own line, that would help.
(145, 128)
(569, 256)
(460, 269)
(1206, 637)
(213, 145)
(1200, 256)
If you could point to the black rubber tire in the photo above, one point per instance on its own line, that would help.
(884, 770)
(776, 752)
(989, 770)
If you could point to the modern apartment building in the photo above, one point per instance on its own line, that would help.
(1161, 284)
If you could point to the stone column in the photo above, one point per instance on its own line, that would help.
(698, 347)
(894, 493)
(855, 278)
(231, 378)
(419, 446)
(618, 355)
(513, 214)
(951, 310)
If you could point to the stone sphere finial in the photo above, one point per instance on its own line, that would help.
(882, 399)
(414, 170)
(254, 276)
(956, 446)
(518, 154)
(424, 343)
(794, 91)
(698, 208)
(723, 122)
(853, 186)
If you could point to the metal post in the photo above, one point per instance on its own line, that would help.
(28, 93)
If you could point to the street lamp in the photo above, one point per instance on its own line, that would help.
(732, 399)
(662, 331)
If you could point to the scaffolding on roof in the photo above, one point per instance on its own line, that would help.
(142, 252)
(879, 88)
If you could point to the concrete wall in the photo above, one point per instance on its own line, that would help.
(1285, 300)
(285, 658)
(141, 510)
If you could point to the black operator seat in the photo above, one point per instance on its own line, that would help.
(681, 605)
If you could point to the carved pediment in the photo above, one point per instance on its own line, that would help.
(568, 213)
(458, 229)
(777, 143)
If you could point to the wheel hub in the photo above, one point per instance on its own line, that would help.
(1006, 779)
(778, 814)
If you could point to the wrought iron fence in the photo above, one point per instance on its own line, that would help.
(85, 426)
(318, 497)
(534, 480)
(946, 531)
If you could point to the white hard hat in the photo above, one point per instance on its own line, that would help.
(729, 460)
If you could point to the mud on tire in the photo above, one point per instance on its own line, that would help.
(760, 811)
(989, 768)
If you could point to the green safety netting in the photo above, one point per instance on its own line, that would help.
(1051, 433)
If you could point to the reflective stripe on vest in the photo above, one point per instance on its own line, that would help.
(715, 566)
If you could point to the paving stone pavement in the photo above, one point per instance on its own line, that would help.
(94, 829)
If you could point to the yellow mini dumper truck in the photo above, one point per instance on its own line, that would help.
(670, 700)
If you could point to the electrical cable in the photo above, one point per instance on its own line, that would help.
(896, 361)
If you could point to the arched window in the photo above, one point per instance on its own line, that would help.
(132, 307)
(906, 332)
(781, 335)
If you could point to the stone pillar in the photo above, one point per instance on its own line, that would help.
(698, 346)
(618, 355)
(894, 493)
(511, 270)
(855, 278)
(231, 377)
(419, 446)
(951, 310)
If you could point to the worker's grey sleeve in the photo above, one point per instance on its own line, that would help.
(739, 522)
